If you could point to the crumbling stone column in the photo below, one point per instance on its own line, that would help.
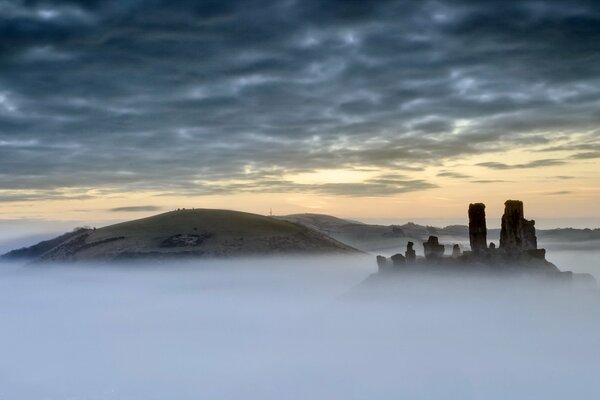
(410, 254)
(511, 234)
(433, 248)
(517, 234)
(477, 228)
(398, 260)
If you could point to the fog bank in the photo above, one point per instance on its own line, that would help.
(288, 329)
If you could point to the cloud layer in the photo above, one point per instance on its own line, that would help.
(136, 209)
(217, 96)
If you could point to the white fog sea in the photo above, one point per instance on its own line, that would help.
(585, 261)
(289, 329)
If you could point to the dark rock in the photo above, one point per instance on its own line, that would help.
(433, 248)
(477, 228)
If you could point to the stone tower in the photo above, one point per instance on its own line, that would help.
(517, 234)
(477, 228)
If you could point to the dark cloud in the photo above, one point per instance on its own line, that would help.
(373, 188)
(179, 95)
(586, 156)
(136, 209)
(484, 181)
(33, 195)
(589, 144)
(559, 193)
(451, 174)
(532, 164)
(384, 185)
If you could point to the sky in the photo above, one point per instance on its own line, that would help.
(111, 110)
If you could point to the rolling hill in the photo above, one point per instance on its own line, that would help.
(187, 233)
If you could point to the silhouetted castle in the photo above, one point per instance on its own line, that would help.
(517, 251)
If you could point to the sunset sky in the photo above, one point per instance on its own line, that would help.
(113, 110)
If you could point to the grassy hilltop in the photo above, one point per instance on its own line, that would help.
(192, 233)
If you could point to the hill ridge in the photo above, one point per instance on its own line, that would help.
(191, 233)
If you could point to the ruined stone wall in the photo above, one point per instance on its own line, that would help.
(433, 248)
(529, 239)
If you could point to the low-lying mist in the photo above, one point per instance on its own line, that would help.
(289, 329)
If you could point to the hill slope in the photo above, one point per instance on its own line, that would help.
(42, 247)
(194, 233)
(376, 238)
(361, 236)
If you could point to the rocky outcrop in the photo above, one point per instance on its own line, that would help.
(477, 228)
(517, 234)
(433, 248)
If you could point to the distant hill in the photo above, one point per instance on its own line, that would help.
(393, 238)
(365, 237)
(376, 238)
(186, 233)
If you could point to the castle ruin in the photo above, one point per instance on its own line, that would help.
(518, 245)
